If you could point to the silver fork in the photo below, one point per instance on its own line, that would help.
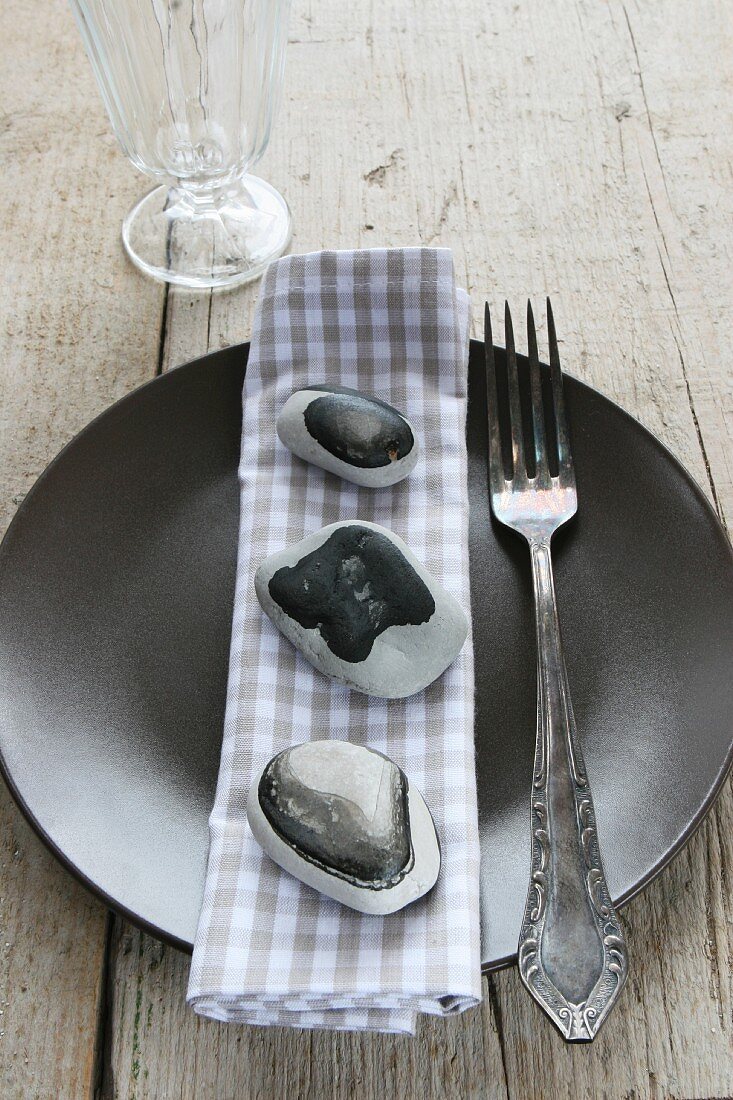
(571, 953)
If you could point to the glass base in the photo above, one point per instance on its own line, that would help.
(212, 239)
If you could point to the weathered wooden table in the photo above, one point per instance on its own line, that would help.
(582, 148)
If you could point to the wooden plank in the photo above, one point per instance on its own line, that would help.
(79, 330)
(52, 950)
(681, 126)
(577, 149)
(655, 140)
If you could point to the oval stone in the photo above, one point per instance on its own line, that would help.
(344, 819)
(362, 609)
(358, 437)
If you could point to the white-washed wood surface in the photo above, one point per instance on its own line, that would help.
(582, 149)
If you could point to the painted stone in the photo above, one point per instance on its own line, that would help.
(344, 819)
(361, 608)
(358, 437)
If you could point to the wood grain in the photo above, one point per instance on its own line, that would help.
(79, 329)
(578, 149)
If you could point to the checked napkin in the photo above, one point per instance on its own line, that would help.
(269, 950)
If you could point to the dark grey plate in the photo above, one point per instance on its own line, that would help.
(116, 582)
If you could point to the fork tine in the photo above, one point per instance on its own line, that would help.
(542, 472)
(519, 468)
(496, 462)
(564, 456)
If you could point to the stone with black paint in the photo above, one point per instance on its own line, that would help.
(354, 435)
(359, 606)
(344, 819)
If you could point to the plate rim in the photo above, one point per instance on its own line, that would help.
(476, 347)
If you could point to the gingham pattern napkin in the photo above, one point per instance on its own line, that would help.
(268, 949)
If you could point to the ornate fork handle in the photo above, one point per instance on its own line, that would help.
(572, 953)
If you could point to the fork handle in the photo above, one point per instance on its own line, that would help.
(572, 953)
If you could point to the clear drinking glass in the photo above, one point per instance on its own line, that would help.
(190, 87)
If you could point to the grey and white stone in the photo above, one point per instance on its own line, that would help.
(358, 437)
(345, 820)
(361, 608)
